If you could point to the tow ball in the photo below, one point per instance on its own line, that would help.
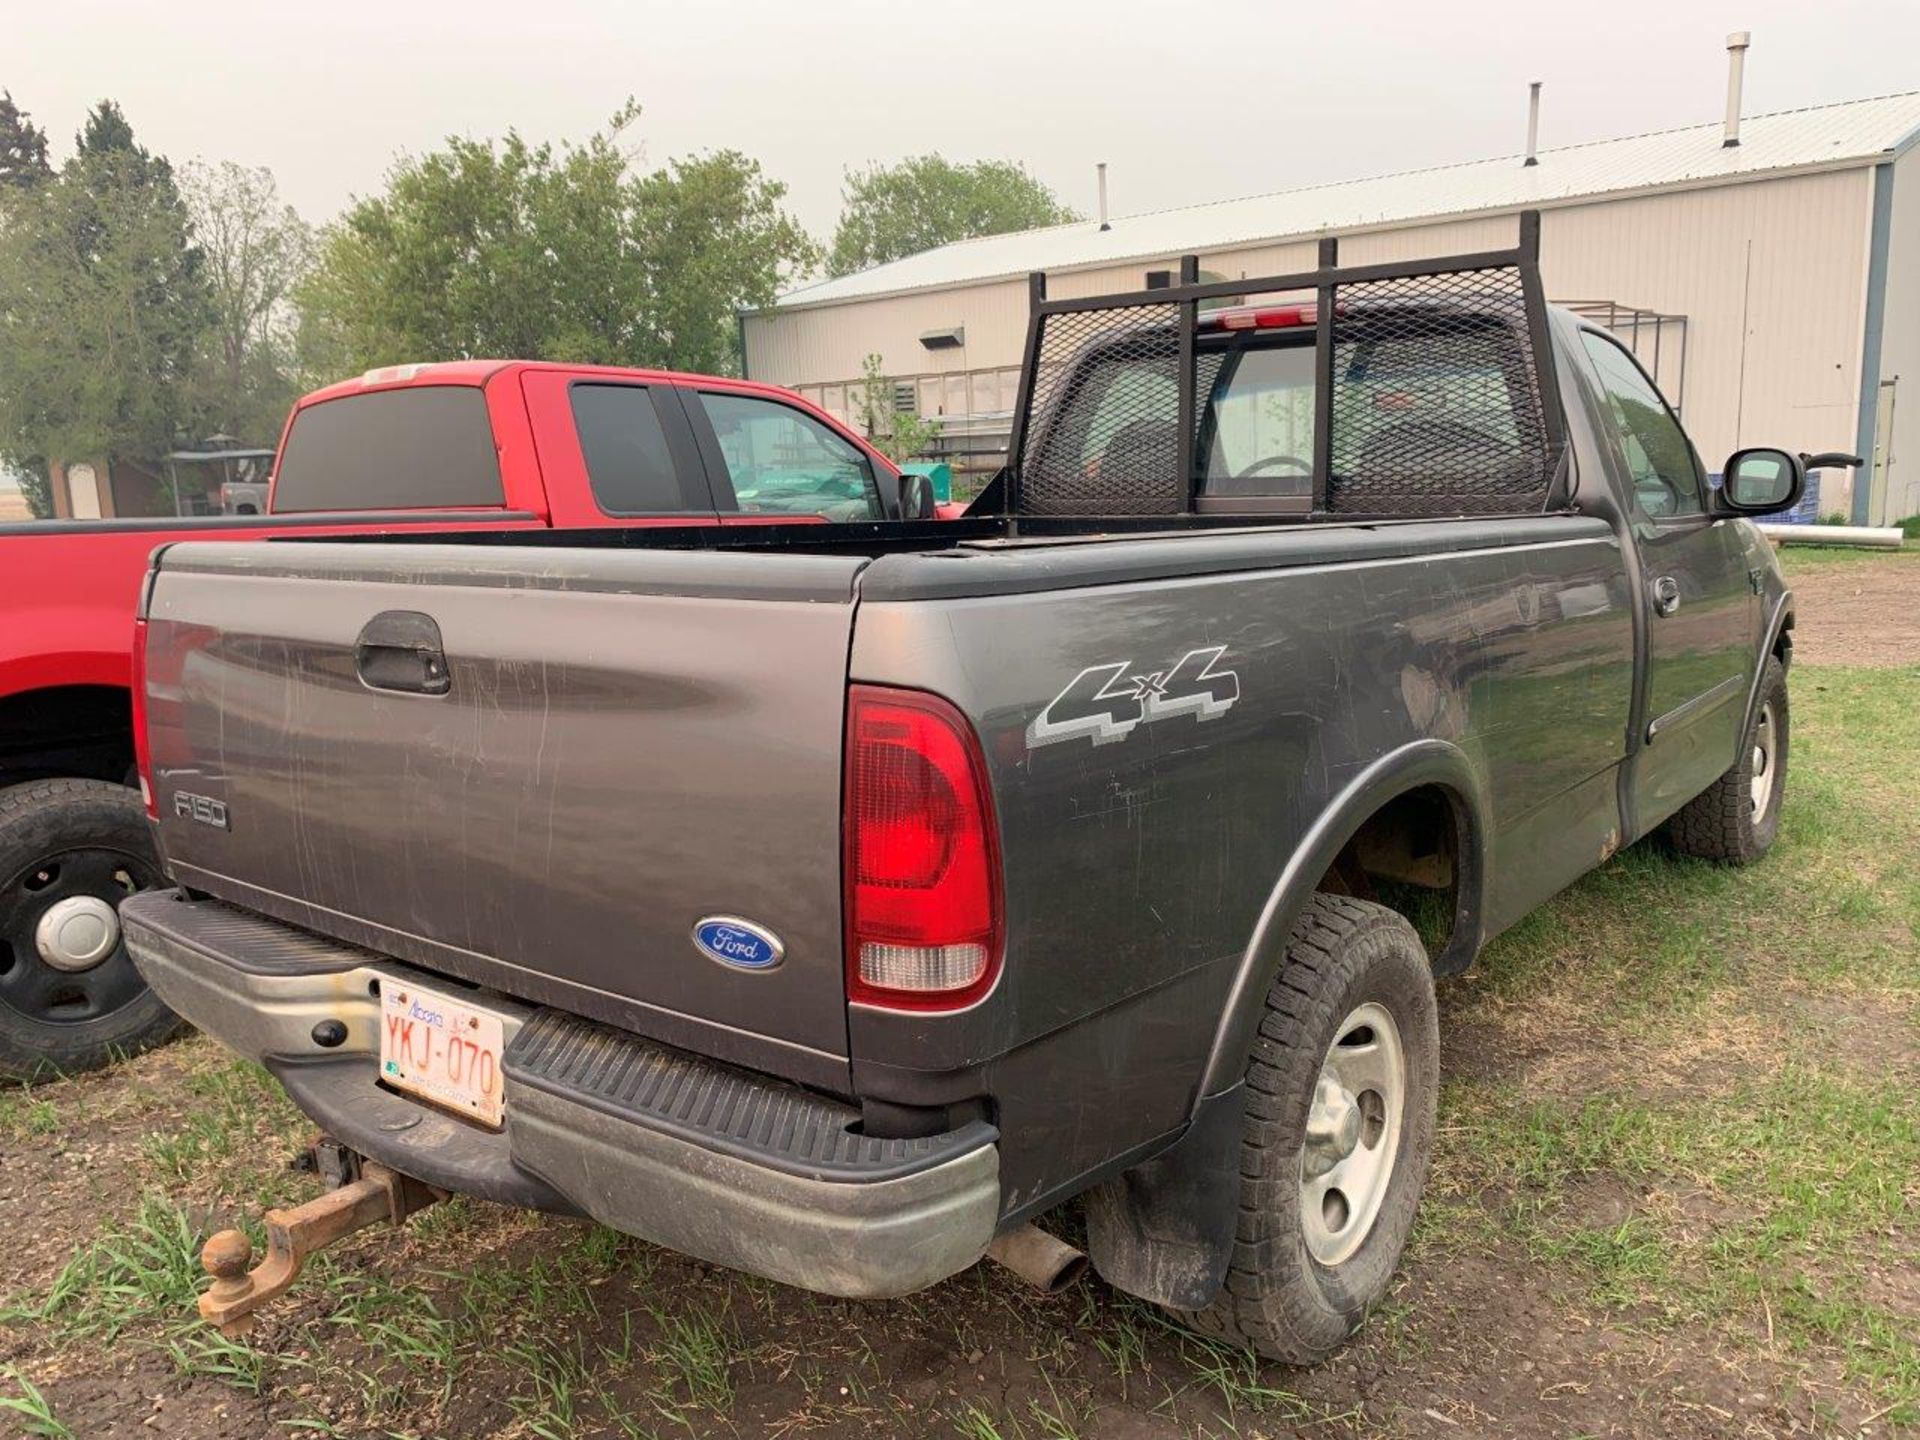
(365, 1194)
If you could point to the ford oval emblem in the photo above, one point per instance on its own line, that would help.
(738, 943)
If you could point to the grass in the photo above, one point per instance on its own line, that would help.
(694, 1356)
(1798, 558)
(125, 1277)
(30, 1408)
(1758, 1123)
(24, 1116)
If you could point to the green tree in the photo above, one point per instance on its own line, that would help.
(897, 434)
(106, 129)
(505, 248)
(256, 249)
(102, 307)
(711, 240)
(36, 489)
(889, 211)
(23, 147)
(24, 165)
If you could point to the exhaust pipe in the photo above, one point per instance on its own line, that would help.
(1044, 1261)
(1105, 224)
(1533, 124)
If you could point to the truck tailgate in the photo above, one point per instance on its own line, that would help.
(627, 743)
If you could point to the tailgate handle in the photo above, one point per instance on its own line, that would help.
(401, 650)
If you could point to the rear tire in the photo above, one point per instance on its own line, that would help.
(1353, 1001)
(1735, 819)
(82, 841)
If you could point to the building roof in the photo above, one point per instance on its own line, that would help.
(1819, 137)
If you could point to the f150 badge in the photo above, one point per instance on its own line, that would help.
(202, 808)
(1104, 703)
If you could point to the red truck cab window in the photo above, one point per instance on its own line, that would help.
(419, 447)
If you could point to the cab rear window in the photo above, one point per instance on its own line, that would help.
(422, 447)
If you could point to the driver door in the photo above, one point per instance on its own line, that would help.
(1699, 597)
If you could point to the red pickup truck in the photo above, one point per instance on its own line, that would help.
(469, 445)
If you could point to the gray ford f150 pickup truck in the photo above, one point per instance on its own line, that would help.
(829, 901)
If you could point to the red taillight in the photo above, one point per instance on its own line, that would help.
(922, 856)
(142, 755)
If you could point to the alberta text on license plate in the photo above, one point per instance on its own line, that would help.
(442, 1049)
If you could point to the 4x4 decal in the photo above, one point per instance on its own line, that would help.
(1104, 703)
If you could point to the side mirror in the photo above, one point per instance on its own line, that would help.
(916, 497)
(1761, 481)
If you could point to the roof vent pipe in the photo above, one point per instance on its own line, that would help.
(1104, 223)
(1737, 44)
(1533, 123)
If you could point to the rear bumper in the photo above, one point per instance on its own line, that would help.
(718, 1163)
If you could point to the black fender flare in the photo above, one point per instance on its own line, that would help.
(1777, 622)
(1417, 764)
(1164, 1230)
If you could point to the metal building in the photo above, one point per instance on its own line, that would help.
(1766, 270)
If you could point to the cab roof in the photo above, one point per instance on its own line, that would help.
(482, 372)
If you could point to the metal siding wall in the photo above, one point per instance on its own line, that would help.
(1784, 259)
(1683, 252)
(793, 347)
(1900, 340)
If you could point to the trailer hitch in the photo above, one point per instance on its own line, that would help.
(378, 1195)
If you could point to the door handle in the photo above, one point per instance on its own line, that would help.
(401, 650)
(1666, 595)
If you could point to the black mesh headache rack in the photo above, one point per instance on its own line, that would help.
(1403, 390)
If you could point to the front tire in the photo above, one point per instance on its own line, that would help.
(1340, 1097)
(70, 998)
(1735, 819)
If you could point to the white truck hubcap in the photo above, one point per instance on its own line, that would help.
(1353, 1131)
(77, 933)
(1760, 782)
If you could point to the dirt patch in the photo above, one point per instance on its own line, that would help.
(1548, 1043)
(1867, 1034)
(58, 1185)
(1601, 1202)
(1864, 613)
(1507, 1354)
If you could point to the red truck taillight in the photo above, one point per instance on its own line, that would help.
(922, 856)
(142, 755)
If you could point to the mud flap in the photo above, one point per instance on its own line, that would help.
(1164, 1229)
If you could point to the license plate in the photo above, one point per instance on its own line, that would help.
(443, 1049)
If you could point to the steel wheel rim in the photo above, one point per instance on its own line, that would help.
(48, 994)
(1353, 1134)
(1762, 763)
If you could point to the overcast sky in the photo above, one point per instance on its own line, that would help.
(1188, 102)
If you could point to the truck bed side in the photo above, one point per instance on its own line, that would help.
(1139, 865)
